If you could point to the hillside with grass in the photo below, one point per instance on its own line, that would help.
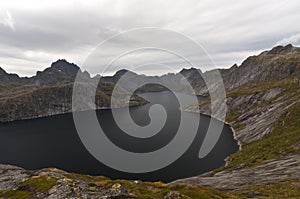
(264, 113)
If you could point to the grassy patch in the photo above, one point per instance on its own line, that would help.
(14, 194)
(239, 127)
(232, 116)
(39, 183)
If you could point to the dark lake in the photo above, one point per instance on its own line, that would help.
(54, 142)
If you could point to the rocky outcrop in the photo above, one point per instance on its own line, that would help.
(252, 115)
(173, 195)
(267, 66)
(270, 171)
(279, 63)
(52, 183)
(10, 176)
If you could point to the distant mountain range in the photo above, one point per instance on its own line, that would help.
(60, 71)
(281, 62)
(51, 88)
(49, 92)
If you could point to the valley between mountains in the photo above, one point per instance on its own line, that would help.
(263, 99)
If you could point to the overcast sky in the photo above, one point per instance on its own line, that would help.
(35, 33)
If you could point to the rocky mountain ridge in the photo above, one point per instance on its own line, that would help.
(49, 92)
(172, 81)
(267, 66)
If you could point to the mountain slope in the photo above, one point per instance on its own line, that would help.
(50, 92)
(172, 81)
(263, 99)
(258, 91)
(60, 72)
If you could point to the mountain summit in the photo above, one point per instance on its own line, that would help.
(59, 71)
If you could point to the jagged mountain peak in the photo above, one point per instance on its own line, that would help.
(281, 49)
(62, 65)
(97, 76)
(234, 66)
(118, 75)
(189, 70)
(191, 74)
(6, 77)
(2, 71)
(59, 71)
(122, 72)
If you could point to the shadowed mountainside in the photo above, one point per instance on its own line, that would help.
(49, 92)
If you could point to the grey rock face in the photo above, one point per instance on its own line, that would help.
(10, 176)
(257, 120)
(238, 179)
(279, 63)
(173, 195)
(59, 72)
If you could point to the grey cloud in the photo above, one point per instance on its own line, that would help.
(30, 39)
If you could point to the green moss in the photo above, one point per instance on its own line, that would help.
(232, 116)
(239, 127)
(39, 183)
(14, 194)
(254, 87)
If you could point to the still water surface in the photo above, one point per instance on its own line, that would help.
(54, 142)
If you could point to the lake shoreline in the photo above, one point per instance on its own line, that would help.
(46, 130)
